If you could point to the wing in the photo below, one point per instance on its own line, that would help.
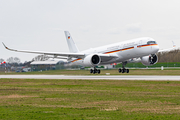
(74, 55)
(169, 49)
(104, 57)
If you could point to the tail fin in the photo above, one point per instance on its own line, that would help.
(71, 44)
(174, 45)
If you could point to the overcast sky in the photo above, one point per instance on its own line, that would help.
(39, 25)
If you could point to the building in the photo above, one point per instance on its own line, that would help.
(46, 65)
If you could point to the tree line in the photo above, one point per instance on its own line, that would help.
(15, 61)
(172, 56)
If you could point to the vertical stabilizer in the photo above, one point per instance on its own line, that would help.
(71, 44)
(174, 45)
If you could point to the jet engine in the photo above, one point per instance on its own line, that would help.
(92, 60)
(149, 60)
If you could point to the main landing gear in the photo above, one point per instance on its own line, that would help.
(123, 70)
(95, 71)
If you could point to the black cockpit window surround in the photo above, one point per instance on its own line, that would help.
(151, 42)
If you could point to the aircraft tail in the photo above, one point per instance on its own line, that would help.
(174, 45)
(71, 44)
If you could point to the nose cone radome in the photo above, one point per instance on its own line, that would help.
(155, 48)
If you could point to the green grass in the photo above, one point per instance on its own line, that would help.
(140, 65)
(89, 99)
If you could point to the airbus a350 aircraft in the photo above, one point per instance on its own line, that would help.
(136, 50)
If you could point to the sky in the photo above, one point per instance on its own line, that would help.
(39, 25)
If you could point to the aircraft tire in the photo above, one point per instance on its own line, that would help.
(91, 71)
(127, 70)
(98, 71)
(95, 71)
(120, 70)
(123, 70)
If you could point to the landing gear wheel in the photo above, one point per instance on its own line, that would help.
(120, 70)
(123, 70)
(94, 71)
(98, 71)
(91, 71)
(127, 70)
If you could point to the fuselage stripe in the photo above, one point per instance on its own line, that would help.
(129, 48)
(76, 60)
(147, 45)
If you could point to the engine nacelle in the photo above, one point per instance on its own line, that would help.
(92, 60)
(149, 60)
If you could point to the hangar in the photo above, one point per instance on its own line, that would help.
(47, 65)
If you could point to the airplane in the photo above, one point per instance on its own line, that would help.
(135, 50)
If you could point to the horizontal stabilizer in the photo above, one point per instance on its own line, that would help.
(169, 49)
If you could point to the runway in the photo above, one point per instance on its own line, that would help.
(94, 77)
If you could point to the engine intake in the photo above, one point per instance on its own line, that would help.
(92, 60)
(149, 60)
(95, 59)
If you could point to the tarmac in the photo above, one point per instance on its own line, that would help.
(96, 77)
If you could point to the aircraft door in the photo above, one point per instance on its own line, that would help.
(121, 46)
(135, 45)
(140, 43)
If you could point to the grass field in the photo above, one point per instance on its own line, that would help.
(103, 72)
(140, 65)
(86, 99)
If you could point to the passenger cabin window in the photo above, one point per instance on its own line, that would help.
(151, 42)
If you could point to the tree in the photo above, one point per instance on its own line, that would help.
(10, 60)
(172, 56)
(17, 60)
(14, 60)
(1, 60)
(41, 58)
(27, 63)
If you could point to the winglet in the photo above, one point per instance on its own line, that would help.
(5, 46)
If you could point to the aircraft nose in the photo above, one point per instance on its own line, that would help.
(156, 48)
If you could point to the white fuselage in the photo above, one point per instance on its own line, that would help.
(124, 51)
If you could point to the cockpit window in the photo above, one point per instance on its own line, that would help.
(151, 42)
